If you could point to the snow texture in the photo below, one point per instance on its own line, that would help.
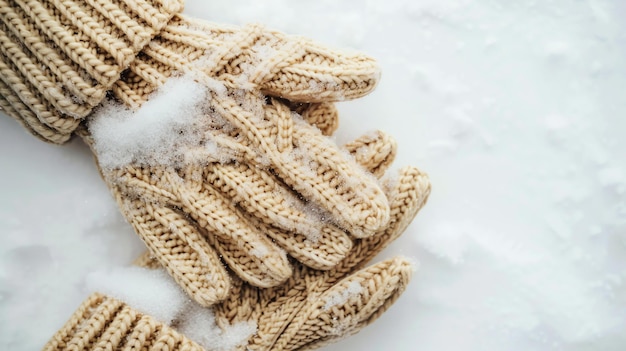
(199, 325)
(150, 291)
(514, 108)
(161, 131)
(353, 289)
(153, 292)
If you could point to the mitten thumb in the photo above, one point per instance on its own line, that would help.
(348, 306)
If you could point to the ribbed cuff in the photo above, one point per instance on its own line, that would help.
(59, 57)
(104, 323)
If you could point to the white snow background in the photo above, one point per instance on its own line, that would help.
(516, 109)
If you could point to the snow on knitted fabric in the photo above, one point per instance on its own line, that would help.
(153, 292)
(159, 133)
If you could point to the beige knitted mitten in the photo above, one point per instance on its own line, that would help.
(256, 181)
(58, 58)
(275, 186)
(313, 308)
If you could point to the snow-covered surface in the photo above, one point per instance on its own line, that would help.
(515, 109)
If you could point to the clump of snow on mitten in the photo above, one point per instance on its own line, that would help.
(198, 324)
(163, 131)
(150, 291)
(353, 289)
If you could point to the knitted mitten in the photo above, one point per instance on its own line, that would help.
(253, 181)
(249, 180)
(313, 308)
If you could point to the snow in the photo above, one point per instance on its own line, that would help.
(199, 325)
(515, 109)
(153, 292)
(149, 291)
(353, 290)
(159, 132)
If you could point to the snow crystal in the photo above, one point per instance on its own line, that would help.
(353, 289)
(260, 250)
